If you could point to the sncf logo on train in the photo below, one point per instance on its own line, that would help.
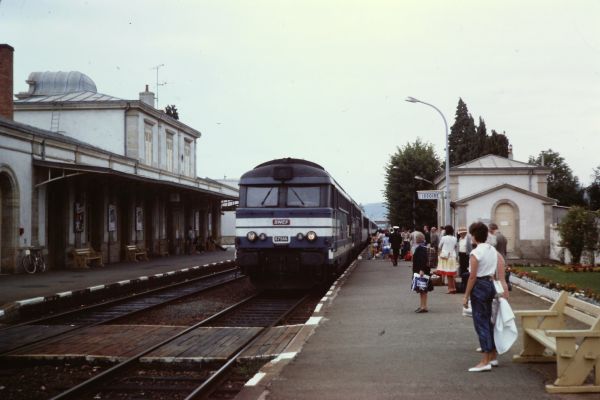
(281, 221)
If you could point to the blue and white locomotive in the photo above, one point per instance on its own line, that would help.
(295, 225)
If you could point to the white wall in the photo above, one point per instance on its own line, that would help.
(531, 212)
(100, 128)
(472, 184)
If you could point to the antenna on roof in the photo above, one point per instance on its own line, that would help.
(158, 84)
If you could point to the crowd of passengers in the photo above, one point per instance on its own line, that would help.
(476, 256)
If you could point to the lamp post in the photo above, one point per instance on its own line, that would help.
(420, 178)
(447, 191)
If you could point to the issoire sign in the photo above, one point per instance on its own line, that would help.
(429, 194)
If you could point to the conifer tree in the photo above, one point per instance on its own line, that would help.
(468, 142)
(480, 145)
(461, 135)
(497, 143)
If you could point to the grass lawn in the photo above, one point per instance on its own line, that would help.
(583, 280)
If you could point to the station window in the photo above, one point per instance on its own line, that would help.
(148, 143)
(169, 165)
(187, 158)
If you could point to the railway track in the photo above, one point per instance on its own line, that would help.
(135, 379)
(22, 335)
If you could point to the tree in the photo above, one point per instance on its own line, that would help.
(497, 144)
(481, 137)
(579, 232)
(413, 159)
(593, 191)
(562, 185)
(462, 133)
(171, 111)
(468, 141)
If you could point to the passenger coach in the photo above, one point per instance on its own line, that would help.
(295, 225)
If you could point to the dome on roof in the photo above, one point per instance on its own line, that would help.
(51, 83)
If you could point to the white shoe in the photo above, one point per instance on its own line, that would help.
(478, 349)
(487, 367)
(494, 363)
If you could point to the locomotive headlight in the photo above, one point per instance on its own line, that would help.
(251, 236)
(262, 237)
(300, 236)
(311, 236)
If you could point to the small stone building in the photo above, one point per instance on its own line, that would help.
(511, 193)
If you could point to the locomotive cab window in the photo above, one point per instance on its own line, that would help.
(262, 196)
(303, 196)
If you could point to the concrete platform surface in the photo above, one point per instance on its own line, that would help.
(25, 286)
(372, 345)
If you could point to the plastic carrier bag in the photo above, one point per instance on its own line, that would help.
(420, 283)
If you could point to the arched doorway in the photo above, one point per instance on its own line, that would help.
(9, 216)
(505, 218)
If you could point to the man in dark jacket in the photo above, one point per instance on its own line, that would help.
(501, 244)
(395, 243)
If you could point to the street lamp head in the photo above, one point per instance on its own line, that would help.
(420, 178)
(412, 100)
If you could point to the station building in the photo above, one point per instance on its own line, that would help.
(81, 169)
(511, 193)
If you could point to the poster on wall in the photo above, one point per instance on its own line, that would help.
(79, 217)
(112, 218)
(139, 219)
(196, 221)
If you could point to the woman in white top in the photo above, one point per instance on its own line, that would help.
(485, 264)
(447, 258)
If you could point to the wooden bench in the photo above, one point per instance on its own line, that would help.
(576, 351)
(163, 248)
(135, 253)
(83, 257)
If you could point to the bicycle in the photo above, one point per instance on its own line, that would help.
(33, 261)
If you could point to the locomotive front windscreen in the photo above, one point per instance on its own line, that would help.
(303, 196)
(283, 196)
(262, 196)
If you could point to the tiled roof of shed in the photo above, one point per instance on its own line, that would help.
(493, 161)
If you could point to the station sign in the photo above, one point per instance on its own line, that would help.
(429, 194)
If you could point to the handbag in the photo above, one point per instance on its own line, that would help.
(444, 254)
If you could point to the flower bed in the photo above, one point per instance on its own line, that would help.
(583, 282)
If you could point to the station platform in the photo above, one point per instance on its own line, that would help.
(19, 289)
(370, 344)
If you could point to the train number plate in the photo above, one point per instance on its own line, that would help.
(281, 239)
(281, 221)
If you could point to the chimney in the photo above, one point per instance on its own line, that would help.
(147, 97)
(510, 155)
(6, 81)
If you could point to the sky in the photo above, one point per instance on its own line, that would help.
(326, 80)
